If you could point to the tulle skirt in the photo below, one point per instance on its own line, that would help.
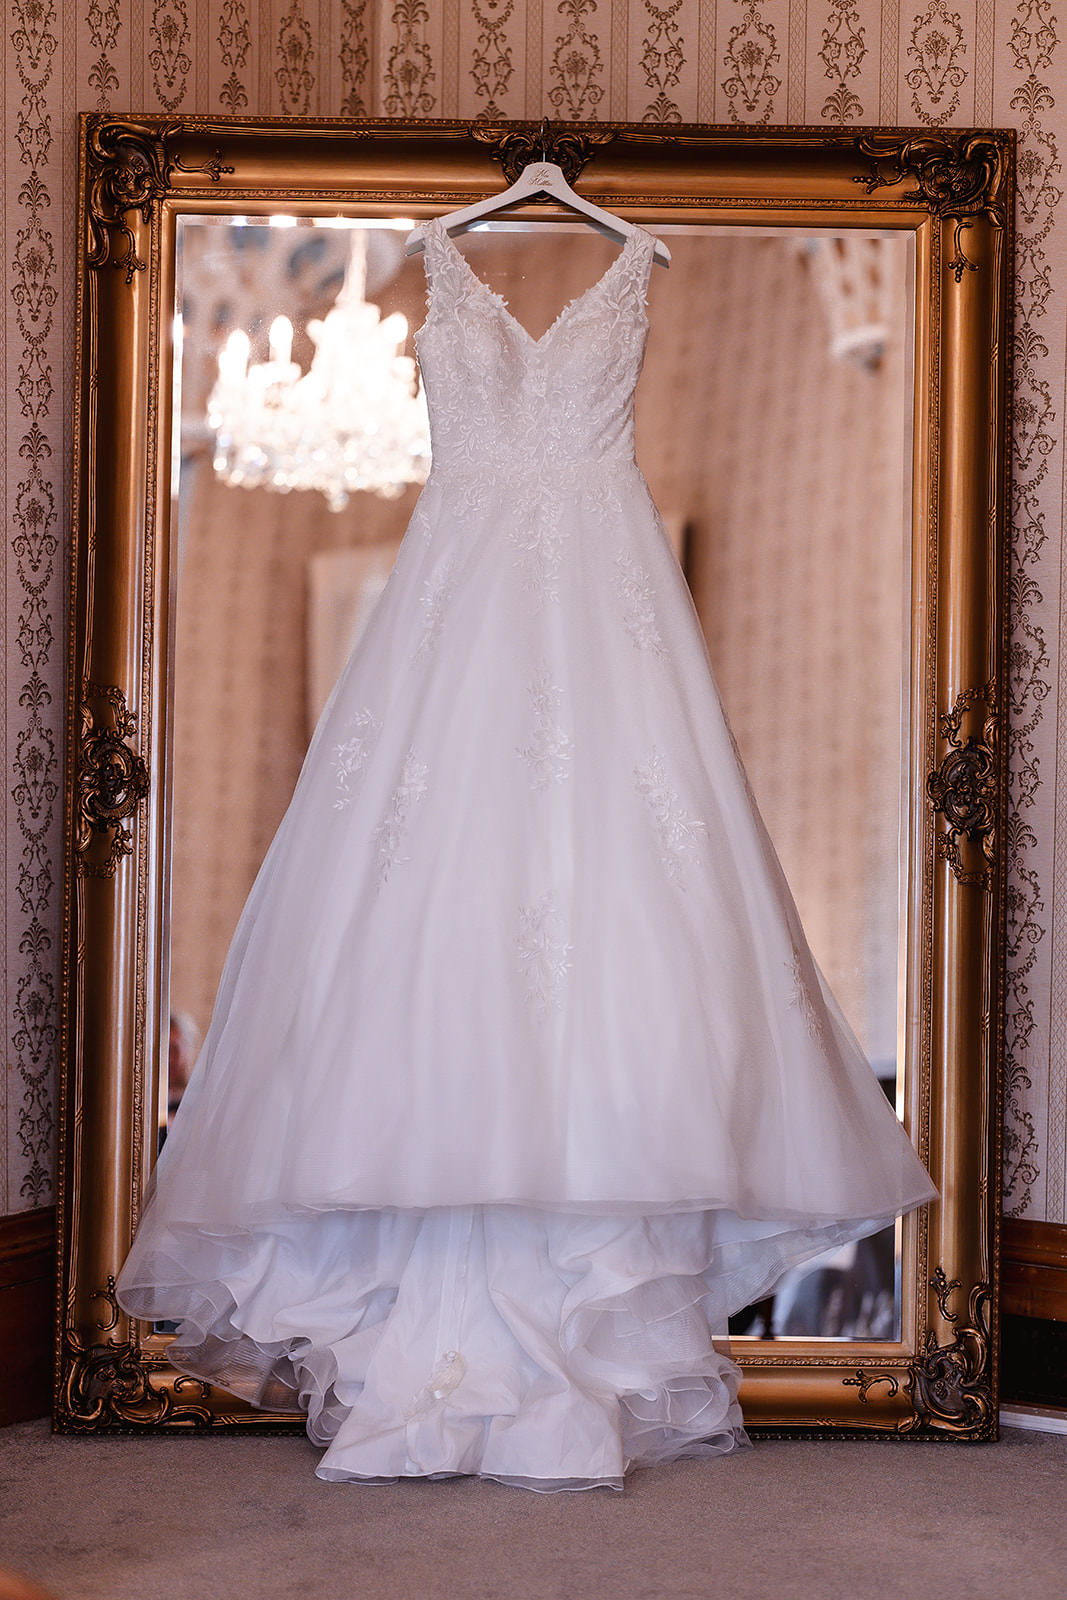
(521, 1077)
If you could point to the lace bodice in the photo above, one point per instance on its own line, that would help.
(503, 402)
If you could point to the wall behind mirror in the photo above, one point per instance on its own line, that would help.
(773, 431)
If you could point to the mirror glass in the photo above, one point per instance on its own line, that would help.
(773, 426)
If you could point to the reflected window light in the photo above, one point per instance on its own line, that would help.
(391, 224)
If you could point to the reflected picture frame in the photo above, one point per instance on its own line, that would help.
(953, 192)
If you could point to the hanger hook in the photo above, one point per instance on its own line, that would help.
(544, 138)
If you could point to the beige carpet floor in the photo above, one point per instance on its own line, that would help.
(203, 1519)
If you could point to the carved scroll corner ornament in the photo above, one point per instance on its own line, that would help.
(515, 148)
(130, 167)
(965, 788)
(107, 1386)
(949, 1385)
(958, 177)
(112, 781)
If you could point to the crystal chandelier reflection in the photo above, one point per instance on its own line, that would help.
(356, 420)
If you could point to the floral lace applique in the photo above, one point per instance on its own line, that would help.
(544, 953)
(446, 1377)
(539, 540)
(549, 752)
(436, 594)
(390, 835)
(602, 496)
(804, 1003)
(679, 835)
(351, 757)
(635, 589)
(420, 521)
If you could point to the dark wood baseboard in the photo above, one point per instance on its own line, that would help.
(1033, 1285)
(27, 1297)
(1033, 1361)
(1033, 1280)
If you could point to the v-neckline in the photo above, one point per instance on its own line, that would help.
(598, 283)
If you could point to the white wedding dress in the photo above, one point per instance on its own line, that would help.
(521, 1076)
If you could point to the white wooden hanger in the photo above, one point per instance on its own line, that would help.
(539, 177)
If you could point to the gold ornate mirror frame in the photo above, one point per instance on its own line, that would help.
(953, 192)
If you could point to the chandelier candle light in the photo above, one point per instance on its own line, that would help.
(356, 420)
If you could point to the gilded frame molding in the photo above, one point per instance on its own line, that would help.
(953, 191)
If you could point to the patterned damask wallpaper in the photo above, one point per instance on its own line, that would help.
(938, 62)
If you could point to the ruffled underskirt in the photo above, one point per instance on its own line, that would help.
(543, 1349)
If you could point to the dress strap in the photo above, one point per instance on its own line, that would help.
(626, 280)
(641, 255)
(443, 266)
(448, 272)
